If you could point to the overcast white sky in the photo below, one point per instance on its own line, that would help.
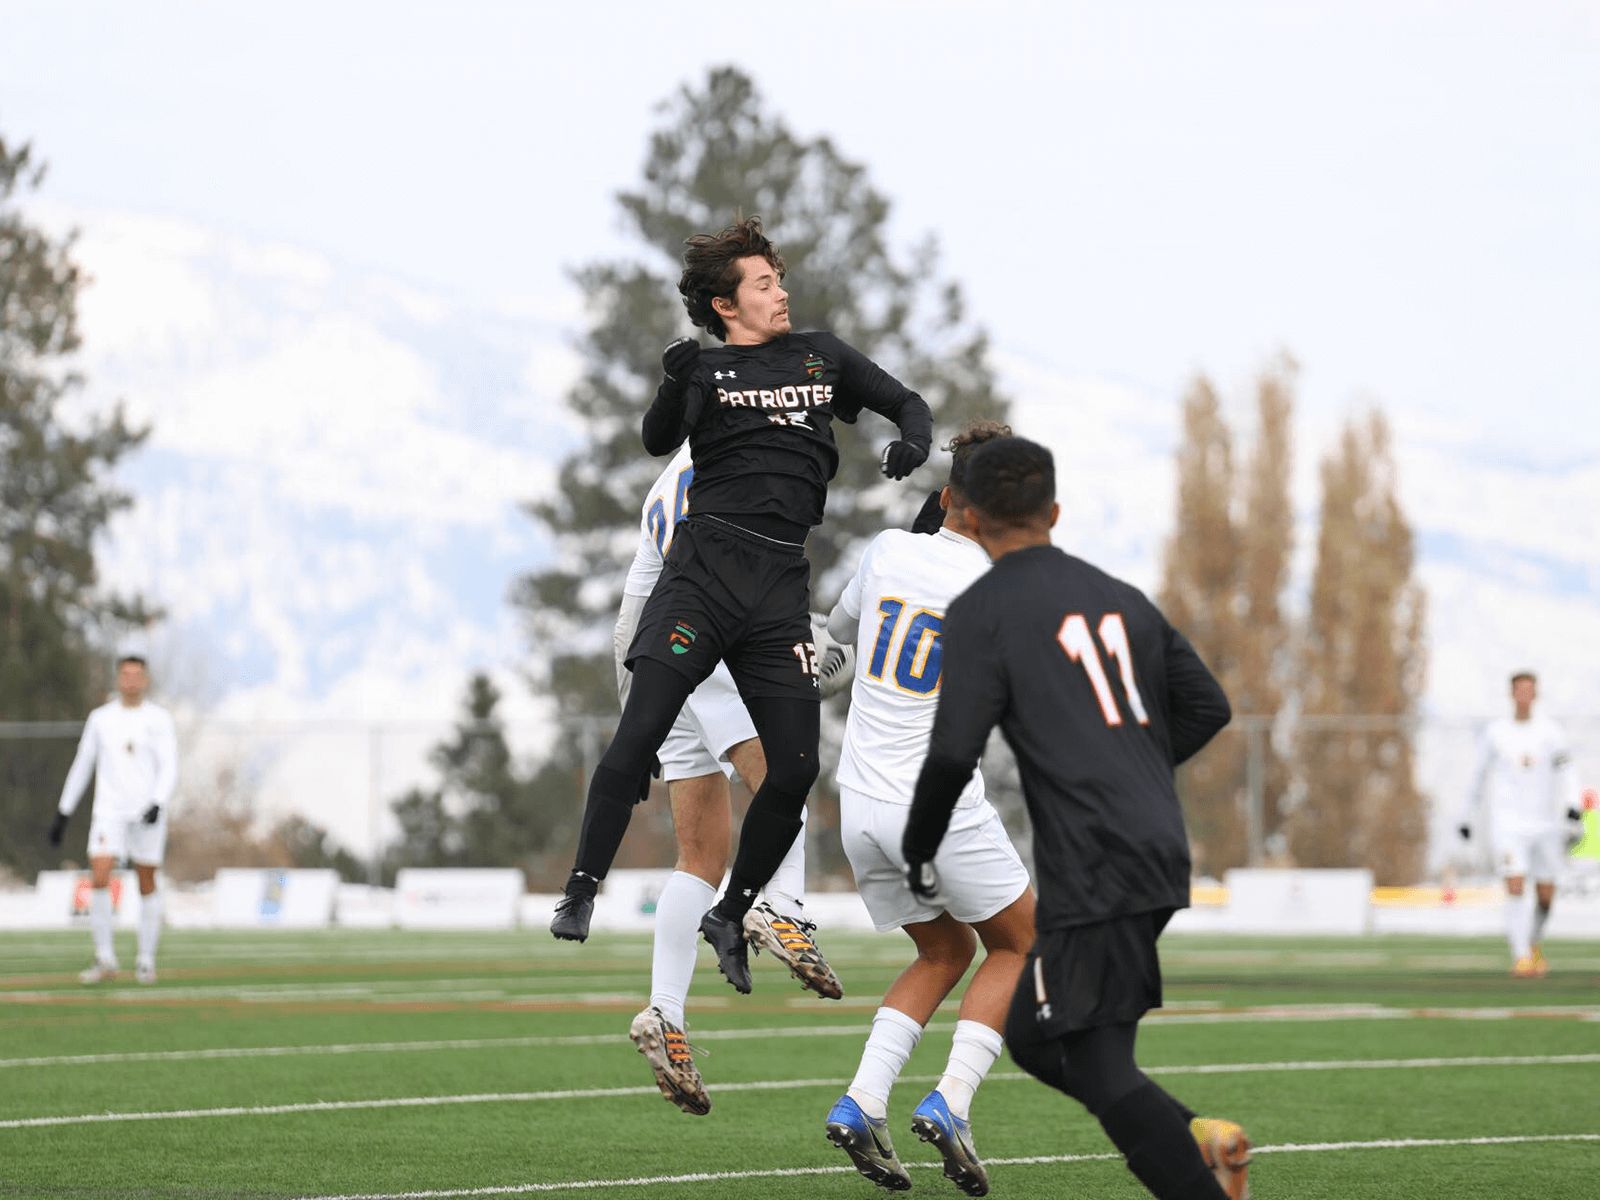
(1400, 192)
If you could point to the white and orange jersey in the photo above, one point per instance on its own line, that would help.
(664, 506)
(132, 752)
(895, 608)
(1524, 772)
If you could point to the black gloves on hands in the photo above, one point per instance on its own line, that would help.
(902, 457)
(930, 517)
(1574, 815)
(922, 879)
(678, 359)
(1465, 831)
(644, 780)
(58, 829)
(151, 814)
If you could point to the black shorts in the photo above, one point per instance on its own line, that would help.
(1090, 976)
(731, 595)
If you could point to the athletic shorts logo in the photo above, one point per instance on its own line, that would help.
(681, 638)
(814, 367)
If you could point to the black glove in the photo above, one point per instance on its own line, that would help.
(922, 879)
(58, 829)
(1465, 831)
(678, 359)
(151, 814)
(902, 457)
(930, 517)
(644, 780)
(1574, 815)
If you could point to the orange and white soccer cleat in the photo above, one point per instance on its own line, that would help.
(1226, 1150)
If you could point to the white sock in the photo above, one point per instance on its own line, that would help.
(1518, 928)
(100, 925)
(894, 1036)
(786, 890)
(149, 926)
(1541, 914)
(677, 941)
(972, 1053)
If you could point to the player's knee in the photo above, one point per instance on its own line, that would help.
(793, 775)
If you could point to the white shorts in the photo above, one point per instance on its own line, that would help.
(132, 841)
(980, 872)
(712, 721)
(1540, 854)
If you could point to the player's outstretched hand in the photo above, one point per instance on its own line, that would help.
(900, 458)
(837, 670)
(922, 879)
(930, 517)
(678, 359)
(152, 814)
(58, 829)
(1465, 831)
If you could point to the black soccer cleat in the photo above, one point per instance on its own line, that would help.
(571, 922)
(733, 952)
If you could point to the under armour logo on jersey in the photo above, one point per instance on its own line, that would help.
(724, 375)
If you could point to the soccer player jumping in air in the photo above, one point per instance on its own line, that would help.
(758, 413)
(1100, 698)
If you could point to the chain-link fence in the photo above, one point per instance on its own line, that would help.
(344, 776)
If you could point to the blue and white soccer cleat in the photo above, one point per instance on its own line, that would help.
(947, 1133)
(867, 1143)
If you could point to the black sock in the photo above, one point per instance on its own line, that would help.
(580, 883)
(764, 840)
(605, 820)
(1146, 1126)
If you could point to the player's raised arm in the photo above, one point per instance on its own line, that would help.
(864, 384)
(676, 408)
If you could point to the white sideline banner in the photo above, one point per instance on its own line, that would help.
(627, 899)
(458, 898)
(61, 899)
(1296, 900)
(273, 898)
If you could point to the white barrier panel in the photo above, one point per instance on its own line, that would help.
(359, 906)
(273, 897)
(627, 899)
(457, 898)
(1299, 901)
(61, 899)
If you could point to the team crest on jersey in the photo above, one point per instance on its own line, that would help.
(681, 637)
(814, 367)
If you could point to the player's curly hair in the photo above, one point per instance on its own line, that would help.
(1011, 480)
(711, 269)
(964, 443)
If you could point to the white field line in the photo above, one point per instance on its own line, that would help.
(1275, 1013)
(767, 1086)
(1033, 1160)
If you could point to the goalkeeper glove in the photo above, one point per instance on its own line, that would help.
(678, 360)
(152, 814)
(930, 517)
(58, 829)
(900, 458)
(922, 879)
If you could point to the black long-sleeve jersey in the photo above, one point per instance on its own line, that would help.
(1100, 698)
(760, 422)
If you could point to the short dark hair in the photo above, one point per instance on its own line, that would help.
(711, 270)
(963, 444)
(1011, 480)
(1528, 675)
(128, 658)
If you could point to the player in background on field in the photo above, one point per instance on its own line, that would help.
(892, 610)
(1524, 772)
(1100, 698)
(131, 749)
(711, 738)
(758, 413)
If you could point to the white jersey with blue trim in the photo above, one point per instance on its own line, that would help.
(897, 600)
(664, 506)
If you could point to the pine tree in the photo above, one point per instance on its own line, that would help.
(1362, 663)
(55, 499)
(716, 155)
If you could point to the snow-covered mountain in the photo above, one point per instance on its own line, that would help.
(328, 503)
